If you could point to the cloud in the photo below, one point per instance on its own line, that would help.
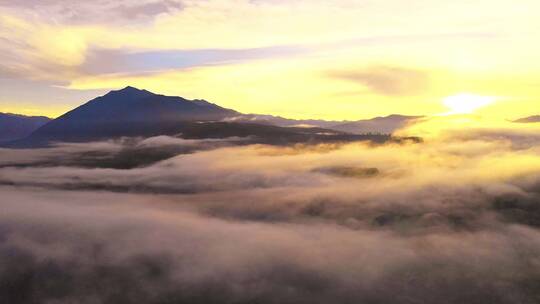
(130, 62)
(63, 33)
(444, 221)
(36, 48)
(149, 9)
(100, 11)
(124, 153)
(387, 80)
(146, 249)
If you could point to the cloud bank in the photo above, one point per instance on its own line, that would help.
(444, 221)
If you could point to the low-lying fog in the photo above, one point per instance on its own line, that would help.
(454, 219)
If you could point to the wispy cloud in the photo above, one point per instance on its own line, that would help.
(100, 11)
(102, 61)
(387, 80)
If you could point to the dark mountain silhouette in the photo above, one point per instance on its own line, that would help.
(128, 112)
(530, 119)
(14, 126)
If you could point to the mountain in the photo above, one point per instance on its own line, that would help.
(280, 121)
(383, 125)
(132, 112)
(14, 126)
(530, 119)
(128, 112)
(380, 125)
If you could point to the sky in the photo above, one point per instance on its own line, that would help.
(332, 59)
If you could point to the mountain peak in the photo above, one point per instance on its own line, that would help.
(128, 112)
(130, 88)
(131, 92)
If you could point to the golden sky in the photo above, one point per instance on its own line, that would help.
(339, 59)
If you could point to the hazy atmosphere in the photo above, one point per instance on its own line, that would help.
(331, 59)
(178, 151)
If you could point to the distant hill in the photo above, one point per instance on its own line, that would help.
(280, 121)
(530, 119)
(14, 126)
(380, 125)
(384, 125)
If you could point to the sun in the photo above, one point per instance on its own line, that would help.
(466, 103)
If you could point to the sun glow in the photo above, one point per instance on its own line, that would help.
(466, 103)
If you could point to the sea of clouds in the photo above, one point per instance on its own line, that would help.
(454, 219)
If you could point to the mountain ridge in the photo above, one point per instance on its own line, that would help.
(16, 126)
(530, 119)
(132, 112)
(381, 124)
